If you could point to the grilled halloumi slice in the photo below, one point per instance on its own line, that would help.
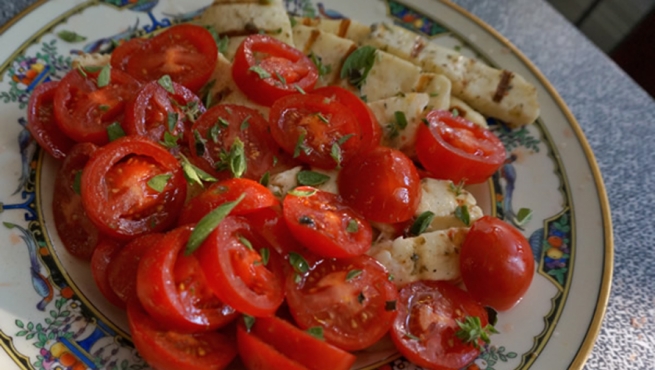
(91, 60)
(389, 76)
(437, 87)
(345, 28)
(413, 107)
(464, 110)
(442, 198)
(492, 92)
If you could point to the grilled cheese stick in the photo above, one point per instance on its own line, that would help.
(345, 28)
(465, 111)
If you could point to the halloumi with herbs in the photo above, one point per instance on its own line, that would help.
(443, 198)
(465, 111)
(400, 117)
(345, 28)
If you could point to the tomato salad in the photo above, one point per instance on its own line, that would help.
(168, 200)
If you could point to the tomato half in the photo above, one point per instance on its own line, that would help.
(266, 69)
(351, 299)
(325, 225)
(232, 262)
(382, 184)
(455, 149)
(425, 329)
(120, 192)
(123, 52)
(496, 263)
(316, 130)
(76, 231)
(186, 52)
(257, 354)
(41, 121)
(214, 135)
(83, 110)
(168, 350)
(102, 256)
(154, 111)
(174, 291)
(269, 224)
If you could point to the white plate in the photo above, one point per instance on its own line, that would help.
(48, 302)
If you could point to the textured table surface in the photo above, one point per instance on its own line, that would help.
(618, 119)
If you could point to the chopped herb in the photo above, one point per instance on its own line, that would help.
(322, 118)
(471, 331)
(103, 107)
(322, 69)
(300, 90)
(266, 255)
(390, 305)
(261, 72)
(193, 173)
(205, 93)
(158, 183)
(352, 227)
(311, 178)
(293, 21)
(345, 138)
(245, 124)
(274, 161)
(234, 160)
(172, 121)
(199, 143)
(245, 242)
(104, 78)
(214, 133)
(170, 140)
(266, 178)
(77, 182)
(249, 321)
(390, 278)
(223, 122)
(207, 224)
(401, 119)
(412, 336)
(455, 112)
(457, 189)
(361, 298)
(115, 131)
(421, 224)
(358, 64)
(298, 263)
(166, 82)
(302, 193)
(70, 36)
(353, 274)
(434, 94)
(523, 216)
(280, 77)
(336, 154)
(300, 144)
(81, 71)
(400, 94)
(192, 110)
(462, 213)
(316, 332)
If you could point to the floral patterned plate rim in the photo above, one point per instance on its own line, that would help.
(52, 317)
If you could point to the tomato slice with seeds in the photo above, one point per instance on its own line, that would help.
(455, 149)
(351, 299)
(266, 69)
(74, 227)
(83, 110)
(118, 192)
(186, 52)
(168, 350)
(41, 121)
(425, 329)
(231, 259)
(316, 130)
(325, 225)
(103, 254)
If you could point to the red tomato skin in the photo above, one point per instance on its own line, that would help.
(325, 229)
(83, 111)
(41, 121)
(76, 231)
(160, 296)
(326, 289)
(257, 197)
(269, 224)
(266, 91)
(122, 54)
(97, 198)
(167, 350)
(257, 354)
(436, 346)
(382, 184)
(103, 254)
(235, 273)
(456, 149)
(496, 263)
(301, 346)
(185, 52)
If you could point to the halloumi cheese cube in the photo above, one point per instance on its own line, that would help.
(389, 76)
(413, 107)
(91, 60)
(465, 111)
(442, 198)
(346, 28)
(437, 87)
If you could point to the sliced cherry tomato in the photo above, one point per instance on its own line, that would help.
(122, 271)
(301, 346)
(41, 121)
(122, 54)
(382, 184)
(133, 186)
(497, 263)
(174, 291)
(351, 299)
(76, 231)
(266, 69)
(257, 354)
(316, 130)
(232, 262)
(455, 149)
(83, 110)
(154, 111)
(269, 224)
(425, 329)
(186, 52)
(213, 141)
(325, 225)
(103, 254)
(371, 131)
(168, 350)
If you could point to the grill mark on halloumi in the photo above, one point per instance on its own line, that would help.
(423, 81)
(343, 27)
(313, 36)
(503, 86)
(418, 47)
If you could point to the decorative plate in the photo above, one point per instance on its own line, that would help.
(52, 316)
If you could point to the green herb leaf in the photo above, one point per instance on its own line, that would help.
(245, 242)
(344, 138)
(421, 224)
(293, 21)
(457, 189)
(158, 183)
(336, 154)
(261, 72)
(104, 78)
(70, 36)
(103, 107)
(454, 112)
(322, 69)
(462, 213)
(353, 274)
(523, 216)
(434, 94)
(322, 118)
(238, 163)
(249, 321)
(266, 178)
(77, 183)
(412, 336)
(170, 140)
(280, 77)
(214, 133)
(300, 144)
(207, 224)
(193, 173)
(311, 178)
(223, 122)
(358, 64)
(166, 82)
(316, 332)
(298, 263)
(299, 89)
(205, 93)
(223, 44)
(352, 227)
(245, 124)
(115, 131)
(172, 121)
(471, 331)
(302, 193)
(266, 255)
(401, 119)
